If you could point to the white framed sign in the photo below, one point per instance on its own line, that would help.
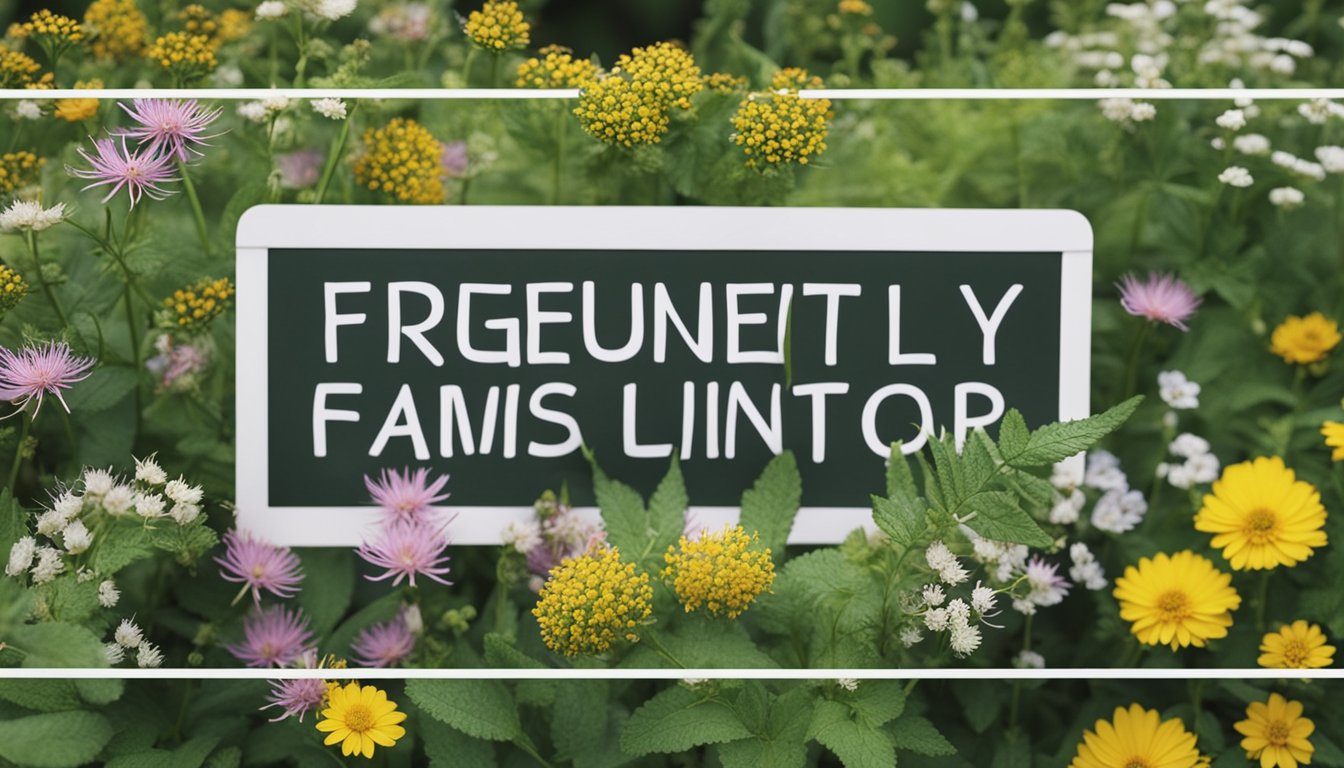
(491, 343)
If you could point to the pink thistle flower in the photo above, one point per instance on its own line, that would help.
(258, 565)
(1162, 298)
(272, 637)
(169, 127)
(383, 645)
(406, 495)
(296, 698)
(139, 172)
(1047, 586)
(406, 548)
(34, 372)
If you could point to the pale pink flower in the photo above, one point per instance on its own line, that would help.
(45, 369)
(407, 548)
(383, 645)
(258, 565)
(168, 126)
(140, 172)
(297, 697)
(1162, 298)
(406, 495)
(272, 637)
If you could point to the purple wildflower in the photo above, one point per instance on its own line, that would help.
(406, 548)
(296, 697)
(140, 172)
(455, 159)
(33, 372)
(1047, 586)
(383, 645)
(1163, 298)
(299, 169)
(168, 126)
(258, 565)
(406, 495)
(272, 637)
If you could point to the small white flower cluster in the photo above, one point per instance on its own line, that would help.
(1236, 176)
(1086, 570)
(1286, 198)
(1302, 167)
(272, 9)
(331, 108)
(1119, 509)
(1200, 465)
(1235, 44)
(263, 110)
(1231, 120)
(24, 215)
(26, 109)
(945, 564)
(1178, 392)
(1045, 587)
(939, 612)
(1253, 144)
(407, 22)
(326, 10)
(1127, 111)
(1318, 111)
(1331, 158)
(64, 523)
(1002, 560)
(126, 637)
(1029, 660)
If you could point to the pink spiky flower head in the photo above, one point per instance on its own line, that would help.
(169, 126)
(273, 637)
(36, 371)
(258, 565)
(297, 697)
(383, 645)
(406, 495)
(407, 548)
(140, 172)
(1162, 298)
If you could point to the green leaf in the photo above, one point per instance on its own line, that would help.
(127, 541)
(899, 477)
(54, 740)
(41, 695)
(501, 654)
(70, 599)
(187, 542)
(578, 719)
(191, 754)
(996, 515)
(382, 609)
(878, 702)
(56, 644)
(13, 522)
(769, 508)
(104, 388)
(705, 643)
(667, 510)
(857, 744)
(328, 584)
(913, 733)
(782, 742)
(1055, 442)
(902, 519)
(100, 690)
(678, 719)
(1013, 433)
(447, 747)
(483, 709)
(1014, 751)
(623, 513)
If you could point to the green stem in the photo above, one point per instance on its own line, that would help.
(466, 67)
(69, 431)
(18, 450)
(558, 163)
(196, 211)
(1261, 598)
(42, 280)
(1132, 363)
(334, 156)
(910, 685)
(651, 637)
(525, 744)
(1196, 700)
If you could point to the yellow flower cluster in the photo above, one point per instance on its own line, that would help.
(782, 128)
(19, 169)
(12, 288)
(193, 307)
(1176, 600)
(591, 602)
(498, 26)
(234, 24)
(16, 68)
(186, 55)
(1304, 339)
(119, 29)
(195, 19)
(229, 25)
(724, 82)
(632, 105)
(1296, 646)
(53, 27)
(855, 8)
(403, 161)
(75, 110)
(720, 572)
(555, 68)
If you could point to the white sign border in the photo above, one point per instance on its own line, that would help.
(605, 228)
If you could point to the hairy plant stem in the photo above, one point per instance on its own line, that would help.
(26, 423)
(1132, 363)
(42, 280)
(334, 155)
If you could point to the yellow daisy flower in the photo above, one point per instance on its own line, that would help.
(1262, 516)
(1304, 339)
(1296, 646)
(358, 718)
(1137, 738)
(1276, 733)
(1333, 432)
(1177, 600)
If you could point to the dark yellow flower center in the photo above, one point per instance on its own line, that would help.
(1259, 526)
(1173, 605)
(1138, 762)
(1295, 652)
(1277, 733)
(359, 718)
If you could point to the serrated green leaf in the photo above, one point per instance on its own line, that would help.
(100, 690)
(447, 747)
(483, 709)
(1013, 433)
(54, 740)
(678, 719)
(781, 743)
(501, 654)
(899, 476)
(771, 504)
(104, 388)
(667, 510)
(578, 719)
(127, 541)
(996, 515)
(1014, 751)
(56, 644)
(901, 519)
(623, 514)
(70, 599)
(1055, 442)
(948, 472)
(857, 744)
(913, 733)
(878, 702)
(191, 754)
(705, 643)
(328, 585)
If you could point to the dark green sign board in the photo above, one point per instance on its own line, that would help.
(494, 360)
